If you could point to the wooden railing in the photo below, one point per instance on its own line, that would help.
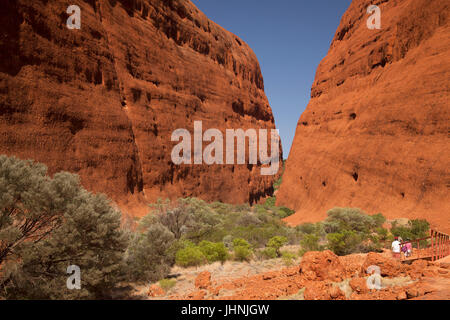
(440, 245)
(437, 246)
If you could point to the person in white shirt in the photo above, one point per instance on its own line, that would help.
(396, 248)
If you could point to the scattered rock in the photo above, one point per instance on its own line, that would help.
(203, 280)
(389, 267)
(402, 296)
(197, 295)
(155, 291)
(321, 265)
(359, 285)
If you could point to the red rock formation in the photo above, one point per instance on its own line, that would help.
(323, 265)
(375, 132)
(104, 100)
(203, 280)
(325, 276)
(155, 291)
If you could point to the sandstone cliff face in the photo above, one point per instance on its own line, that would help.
(103, 101)
(375, 133)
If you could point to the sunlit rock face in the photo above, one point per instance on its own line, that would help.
(375, 132)
(103, 101)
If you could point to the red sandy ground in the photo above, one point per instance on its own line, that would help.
(319, 273)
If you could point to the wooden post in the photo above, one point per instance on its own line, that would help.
(439, 247)
(432, 247)
(418, 248)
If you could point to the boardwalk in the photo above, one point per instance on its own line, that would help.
(434, 247)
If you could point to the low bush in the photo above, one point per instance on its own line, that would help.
(276, 243)
(269, 253)
(344, 242)
(288, 258)
(242, 249)
(310, 242)
(213, 251)
(190, 256)
(167, 284)
(49, 223)
(415, 229)
(148, 256)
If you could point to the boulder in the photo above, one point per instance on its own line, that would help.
(321, 265)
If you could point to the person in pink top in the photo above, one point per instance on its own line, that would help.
(408, 248)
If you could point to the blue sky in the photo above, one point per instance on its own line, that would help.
(290, 38)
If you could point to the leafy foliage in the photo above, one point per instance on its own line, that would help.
(277, 242)
(213, 251)
(190, 256)
(148, 257)
(344, 242)
(49, 224)
(242, 249)
(310, 242)
(167, 284)
(288, 258)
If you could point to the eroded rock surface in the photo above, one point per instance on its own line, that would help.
(104, 100)
(375, 132)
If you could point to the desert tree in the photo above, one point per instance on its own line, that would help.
(48, 224)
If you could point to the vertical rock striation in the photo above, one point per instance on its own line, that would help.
(375, 134)
(104, 100)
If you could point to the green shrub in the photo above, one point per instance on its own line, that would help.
(175, 246)
(310, 242)
(148, 257)
(284, 212)
(167, 284)
(269, 253)
(270, 202)
(344, 242)
(382, 233)
(419, 228)
(307, 228)
(340, 219)
(260, 209)
(378, 219)
(214, 251)
(248, 219)
(242, 253)
(288, 258)
(239, 242)
(228, 241)
(416, 229)
(242, 249)
(190, 256)
(190, 218)
(277, 242)
(48, 224)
